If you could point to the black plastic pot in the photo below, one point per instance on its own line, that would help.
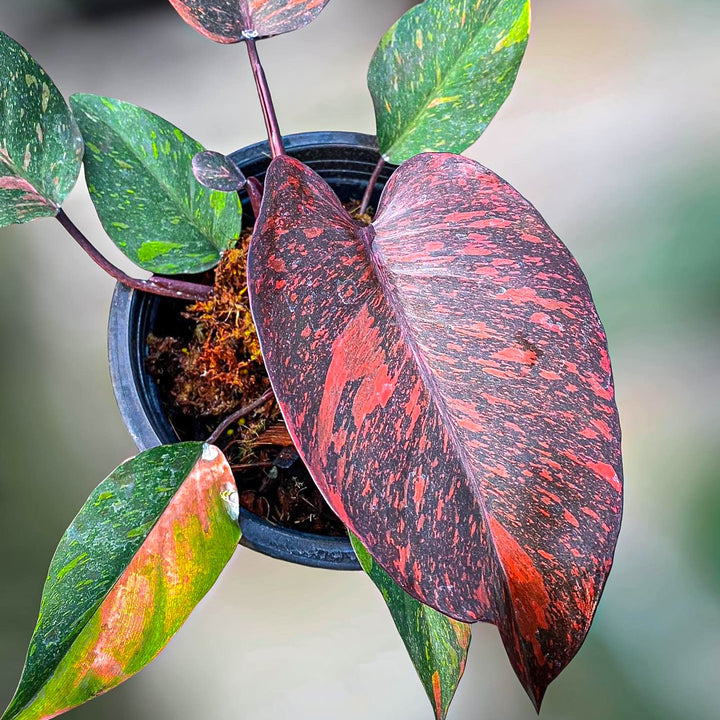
(346, 161)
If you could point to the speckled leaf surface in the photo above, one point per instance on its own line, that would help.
(437, 645)
(40, 144)
(445, 377)
(143, 551)
(139, 172)
(218, 172)
(442, 72)
(230, 21)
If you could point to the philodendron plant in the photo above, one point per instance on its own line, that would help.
(441, 370)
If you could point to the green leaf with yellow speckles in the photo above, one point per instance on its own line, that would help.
(40, 144)
(437, 644)
(442, 72)
(139, 172)
(143, 551)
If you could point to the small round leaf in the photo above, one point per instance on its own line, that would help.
(218, 172)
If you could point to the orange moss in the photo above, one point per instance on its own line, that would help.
(221, 367)
(215, 369)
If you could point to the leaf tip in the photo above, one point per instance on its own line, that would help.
(536, 693)
(210, 452)
(441, 708)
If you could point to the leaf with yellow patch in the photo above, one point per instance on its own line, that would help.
(142, 552)
(442, 72)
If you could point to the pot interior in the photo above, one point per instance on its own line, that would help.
(346, 161)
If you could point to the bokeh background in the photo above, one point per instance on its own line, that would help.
(613, 131)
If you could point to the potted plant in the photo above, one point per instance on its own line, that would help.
(429, 360)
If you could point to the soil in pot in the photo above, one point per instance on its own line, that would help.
(207, 366)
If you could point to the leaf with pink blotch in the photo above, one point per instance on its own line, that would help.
(142, 552)
(231, 21)
(445, 377)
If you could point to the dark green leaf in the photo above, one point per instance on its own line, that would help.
(437, 644)
(442, 72)
(40, 144)
(143, 551)
(218, 172)
(139, 171)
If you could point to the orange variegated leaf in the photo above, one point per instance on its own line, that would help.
(143, 551)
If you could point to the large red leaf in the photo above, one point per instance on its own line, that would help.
(230, 21)
(445, 377)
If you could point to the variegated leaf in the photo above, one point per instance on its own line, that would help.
(230, 21)
(218, 172)
(437, 645)
(40, 144)
(139, 172)
(442, 72)
(445, 377)
(143, 551)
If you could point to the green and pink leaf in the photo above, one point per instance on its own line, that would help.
(41, 147)
(143, 551)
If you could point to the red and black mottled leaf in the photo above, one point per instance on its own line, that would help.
(445, 377)
(230, 21)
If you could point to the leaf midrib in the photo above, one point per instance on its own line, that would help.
(436, 398)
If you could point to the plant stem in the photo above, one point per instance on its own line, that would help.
(250, 466)
(254, 189)
(266, 101)
(228, 421)
(157, 285)
(371, 186)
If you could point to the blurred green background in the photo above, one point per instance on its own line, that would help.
(613, 132)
